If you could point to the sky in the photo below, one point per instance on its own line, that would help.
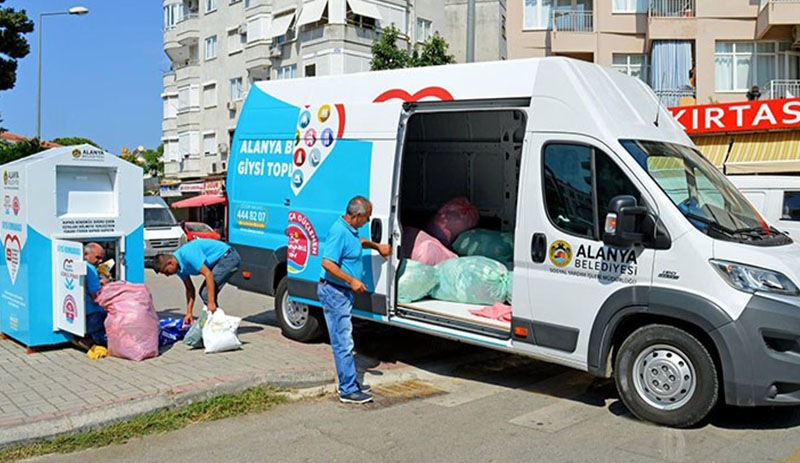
(101, 73)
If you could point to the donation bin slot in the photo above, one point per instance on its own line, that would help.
(69, 272)
(82, 191)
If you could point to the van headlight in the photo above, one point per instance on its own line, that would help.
(182, 240)
(751, 279)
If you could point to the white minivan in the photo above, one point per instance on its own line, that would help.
(633, 256)
(162, 233)
(777, 197)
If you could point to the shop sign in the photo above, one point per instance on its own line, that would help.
(212, 187)
(191, 188)
(742, 116)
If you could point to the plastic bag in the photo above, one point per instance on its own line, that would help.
(416, 281)
(472, 280)
(487, 243)
(424, 248)
(453, 218)
(172, 331)
(219, 332)
(194, 337)
(132, 323)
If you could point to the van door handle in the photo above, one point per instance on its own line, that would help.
(538, 247)
(376, 230)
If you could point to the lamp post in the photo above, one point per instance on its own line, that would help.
(76, 10)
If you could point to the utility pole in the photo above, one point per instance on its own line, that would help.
(470, 31)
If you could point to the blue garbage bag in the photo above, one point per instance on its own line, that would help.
(172, 330)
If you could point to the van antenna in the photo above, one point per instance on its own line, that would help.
(658, 101)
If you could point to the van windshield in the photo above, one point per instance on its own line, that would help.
(701, 192)
(158, 217)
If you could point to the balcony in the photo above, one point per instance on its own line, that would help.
(573, 31)
(671, 20)
(782, 88)
(676, 97)
(777, 14)
(257, 54)
(188, 70)
(187, 28)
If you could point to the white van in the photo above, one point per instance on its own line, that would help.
(777, 197)
(162, 233)
(633, 255)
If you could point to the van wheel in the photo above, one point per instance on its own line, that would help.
(297, 321)
(666, 376)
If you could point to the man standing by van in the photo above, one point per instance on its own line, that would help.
(339, 281)
(213, 259)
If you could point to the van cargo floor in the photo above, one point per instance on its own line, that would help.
(455, 315)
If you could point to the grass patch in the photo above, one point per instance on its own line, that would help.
(253, 400)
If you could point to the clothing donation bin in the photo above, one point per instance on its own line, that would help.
(53, 203)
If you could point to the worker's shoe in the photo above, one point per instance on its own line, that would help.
(357, 397)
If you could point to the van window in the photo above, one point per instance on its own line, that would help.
(571, 197)
(791, 205)
(158, 217)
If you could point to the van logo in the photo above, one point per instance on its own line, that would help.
(316, 136)
(669, 274)
(560, 253)
(437, 93)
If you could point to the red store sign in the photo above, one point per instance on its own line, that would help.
(740, 116)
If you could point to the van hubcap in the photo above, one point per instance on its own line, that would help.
(664, 377)
(295, 313)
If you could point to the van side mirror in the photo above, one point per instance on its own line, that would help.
(623, 222)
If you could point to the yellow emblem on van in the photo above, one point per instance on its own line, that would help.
(560, 253)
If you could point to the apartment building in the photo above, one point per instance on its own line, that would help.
(691, 52)
(219, 48)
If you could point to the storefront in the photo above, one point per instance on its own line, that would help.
(748, 137)
(203, 202)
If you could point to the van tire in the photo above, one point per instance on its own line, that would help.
(666, 376)
(299, 322)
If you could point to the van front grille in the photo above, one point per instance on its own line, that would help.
(161, 244)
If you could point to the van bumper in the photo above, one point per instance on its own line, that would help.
(763, 362)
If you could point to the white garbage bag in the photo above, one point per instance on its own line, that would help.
(219, 332)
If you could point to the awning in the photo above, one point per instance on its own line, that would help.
(771, 152)
(362, 8)
(714, 148)
(312, 12)
(199, 201)
(280, 24)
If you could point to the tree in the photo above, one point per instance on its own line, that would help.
(132, 157)
(13, 46)
(385, 52)
(13, 151)
(153, 161)
(434, 53)
(67, 141)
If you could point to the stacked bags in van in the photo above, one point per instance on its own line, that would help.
(431, 268)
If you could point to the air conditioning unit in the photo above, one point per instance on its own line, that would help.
(222, 148)
(243, 28)
(232, 105)
(796, 37)
(275, 51)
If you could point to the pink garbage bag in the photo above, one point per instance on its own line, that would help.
(132, 323)
(422, 247)
(454, 217)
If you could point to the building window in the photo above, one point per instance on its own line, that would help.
(629, 6)
(211, 5)
(311, 70)
(170, 106)
(740, 65)
(286, 72)
(236, 41)
(188, 98)
(423, 29)
(632, 65)
(173, 14)
(209, 95)
(536, 14)
(237, 89)
(211, 47)
(209, 143)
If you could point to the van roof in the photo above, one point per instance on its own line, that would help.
(154, 201)
(765, 182)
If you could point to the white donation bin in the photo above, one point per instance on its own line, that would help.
(53, 203)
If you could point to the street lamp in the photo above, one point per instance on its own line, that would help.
(76, 10)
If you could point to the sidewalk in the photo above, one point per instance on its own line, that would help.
(60, 389)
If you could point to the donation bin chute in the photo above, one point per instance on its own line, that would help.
(53, 203)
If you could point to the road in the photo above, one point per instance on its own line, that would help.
(467, 404)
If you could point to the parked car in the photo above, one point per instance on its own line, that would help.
(199, 230)
(777, 197)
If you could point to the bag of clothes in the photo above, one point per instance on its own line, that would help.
(416, 281)
(488, 243)
(453, 218)
(132, 323)
(472, 280)
(424, 248)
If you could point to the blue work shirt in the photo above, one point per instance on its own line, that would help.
(92, 287)
(197, 253)
(343, 248)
